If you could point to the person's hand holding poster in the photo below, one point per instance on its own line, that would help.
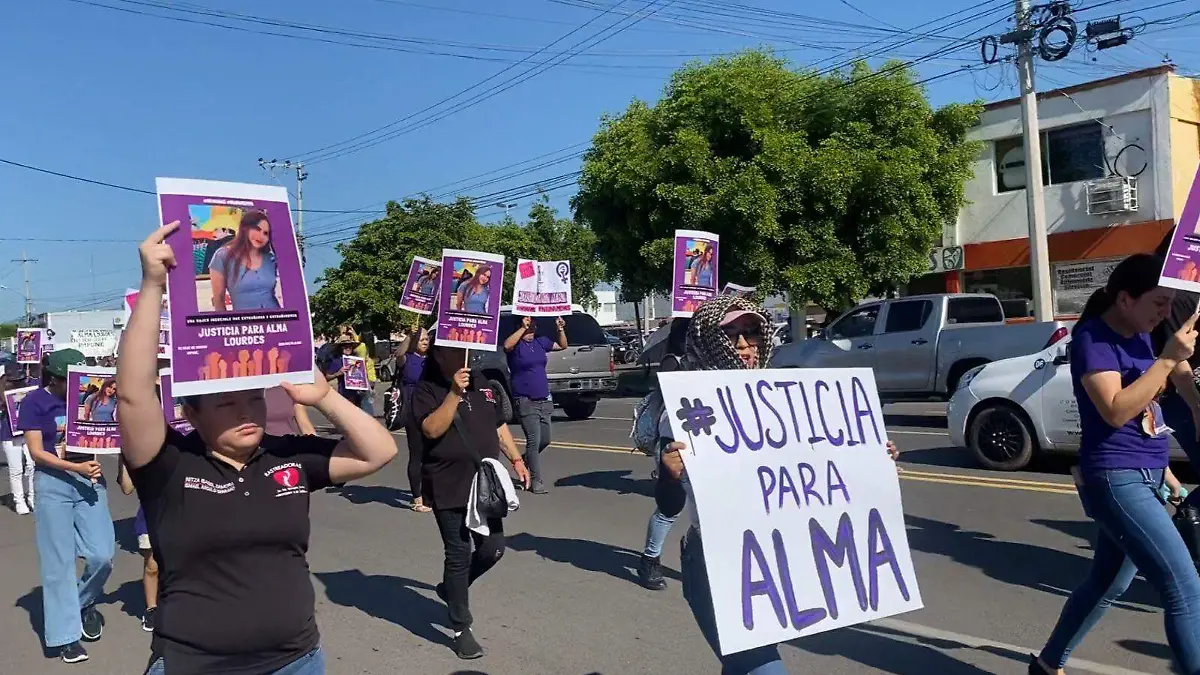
(797, 498)
(164, 321)
(356, 373)
(31, 345)
(172, 407)
(12, 403)
(420, 290)
(695, 271)
(92, 410)
(542, 288)
(1181, 268)
(239, 310)
(468, 312)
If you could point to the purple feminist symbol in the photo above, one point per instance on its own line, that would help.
(696, 417)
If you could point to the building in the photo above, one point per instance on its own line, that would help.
(1119, 156)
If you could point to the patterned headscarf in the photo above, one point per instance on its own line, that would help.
(708, 348)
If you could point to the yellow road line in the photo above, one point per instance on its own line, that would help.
(1003, 481)
(953, 480)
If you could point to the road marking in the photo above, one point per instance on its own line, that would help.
(1003, 481)
(978, 643)
(949, 479)
(919, 433)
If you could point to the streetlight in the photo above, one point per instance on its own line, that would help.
(506, 207)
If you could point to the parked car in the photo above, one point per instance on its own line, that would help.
(579, 375)
(1008, 411)
(921, 346)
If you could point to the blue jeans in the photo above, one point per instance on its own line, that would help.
(1135, 533)
(656, 533)
(72, 522)
(368, 400)
(758, 661)
(312, 663)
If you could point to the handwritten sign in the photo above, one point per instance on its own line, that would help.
(542, 288)
(797, 500)
(1181, 268)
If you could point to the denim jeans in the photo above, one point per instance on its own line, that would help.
(312, 663)
(656, 533)
(1135, 533)
(464, 565)
(535, 423)
(758, 661)
(72, 522)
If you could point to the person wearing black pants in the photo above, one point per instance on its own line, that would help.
(461, 424)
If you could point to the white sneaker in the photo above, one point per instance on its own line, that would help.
(22, 508)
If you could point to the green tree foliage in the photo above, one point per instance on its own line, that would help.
(364, 289)
(826, 187)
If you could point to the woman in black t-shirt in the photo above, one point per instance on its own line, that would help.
(227, 506)
(461, 424)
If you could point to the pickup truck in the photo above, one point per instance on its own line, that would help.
(579, 375)
(921, 346)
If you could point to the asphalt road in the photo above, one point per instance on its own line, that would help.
(995, 554)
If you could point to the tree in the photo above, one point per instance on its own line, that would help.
(364, 289)
(828, 187)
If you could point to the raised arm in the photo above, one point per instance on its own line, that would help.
(439, 421)
(139, 411)
(1102, 381)
(510, 342)
(303, 422)
(560, 341)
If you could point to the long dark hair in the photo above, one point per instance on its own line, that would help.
(239, 248)
(1135, 276)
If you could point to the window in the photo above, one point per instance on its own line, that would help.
(859, 323)
(974, 310)
(907, 316)
(1069, 154)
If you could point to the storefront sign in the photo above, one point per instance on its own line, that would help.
(1074, 283)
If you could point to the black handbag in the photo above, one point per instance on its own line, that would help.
(490, 498)
(1187, 521)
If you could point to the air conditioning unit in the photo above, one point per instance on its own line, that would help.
(1115, 194)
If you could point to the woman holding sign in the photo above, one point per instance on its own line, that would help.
(227, 506)
(527, 358)
(16, 455)
(1123, 477)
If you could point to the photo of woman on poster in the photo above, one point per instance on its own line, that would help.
(245, 268)
(475, 291)
(427, 281)
(700, 264)
(101, 404)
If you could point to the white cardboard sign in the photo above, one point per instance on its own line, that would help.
(542, 288)
(798, 501)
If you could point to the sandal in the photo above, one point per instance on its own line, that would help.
(420, 508)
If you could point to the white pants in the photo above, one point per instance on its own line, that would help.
(20, 469)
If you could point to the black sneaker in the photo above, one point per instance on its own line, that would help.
(650, 574)
(538, 488)
(73, 653)
(93, 624)
(466, 646)
(148, 619)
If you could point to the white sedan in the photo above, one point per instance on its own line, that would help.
(1008, 411)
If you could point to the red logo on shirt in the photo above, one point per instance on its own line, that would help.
(288, 478)
(487, 393)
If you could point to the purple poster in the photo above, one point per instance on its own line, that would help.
(420, 291)
(694, 279)
(356, 373)
(468, 313)
(172, 407)
(239, 310)
(12, 403)
(164, 321)
(92, 410)
(30, 344)
(1181, 270)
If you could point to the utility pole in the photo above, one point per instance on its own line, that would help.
(25, 260)
(301, 176)
(1035, 203)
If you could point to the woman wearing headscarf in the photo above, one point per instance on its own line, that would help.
(725, 333)
(245, 267)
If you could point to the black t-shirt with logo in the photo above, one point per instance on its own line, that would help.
(231, 546)
(448, 464)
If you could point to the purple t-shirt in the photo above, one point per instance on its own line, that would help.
(44, 412)
(1097, 348)
(410, 374)
(527, 368)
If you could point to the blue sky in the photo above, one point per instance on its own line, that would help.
(96, 88)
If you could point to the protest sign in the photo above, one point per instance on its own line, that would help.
(172, 407)
(420, 290)
(239, 310)
(31, 344)
(356, 373)
(542, 288)
(1181, 269)
(164, 321)
(94, 342)
(468, 313)
(92, 410)
(12, 405)
(738, 290)
(695, 271)
(798, 501)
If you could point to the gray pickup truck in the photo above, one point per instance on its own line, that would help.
(920, 346)
(579, 375)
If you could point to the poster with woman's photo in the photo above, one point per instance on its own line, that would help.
(164, 321)
(172, 407)
(468, 310)
(421, 289)
(31, 344)
(695, 271)
(12, 404)
(239, 314)
(1181, 268)
(356, 373)
(92, 410)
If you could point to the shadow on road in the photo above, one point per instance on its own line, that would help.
(131, 596)
(1155, 649)
(919, 421)
(1016, 563)
(617, 480)
(894, 651)
(396, 600)
(589, 556)
(945, 457)
(126, 537)
(374, 494)
(31, 602)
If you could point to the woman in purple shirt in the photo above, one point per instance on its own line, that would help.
(413, 350)
(527, 359)
(1123, 477)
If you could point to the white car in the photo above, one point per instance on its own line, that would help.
(1008, 411)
